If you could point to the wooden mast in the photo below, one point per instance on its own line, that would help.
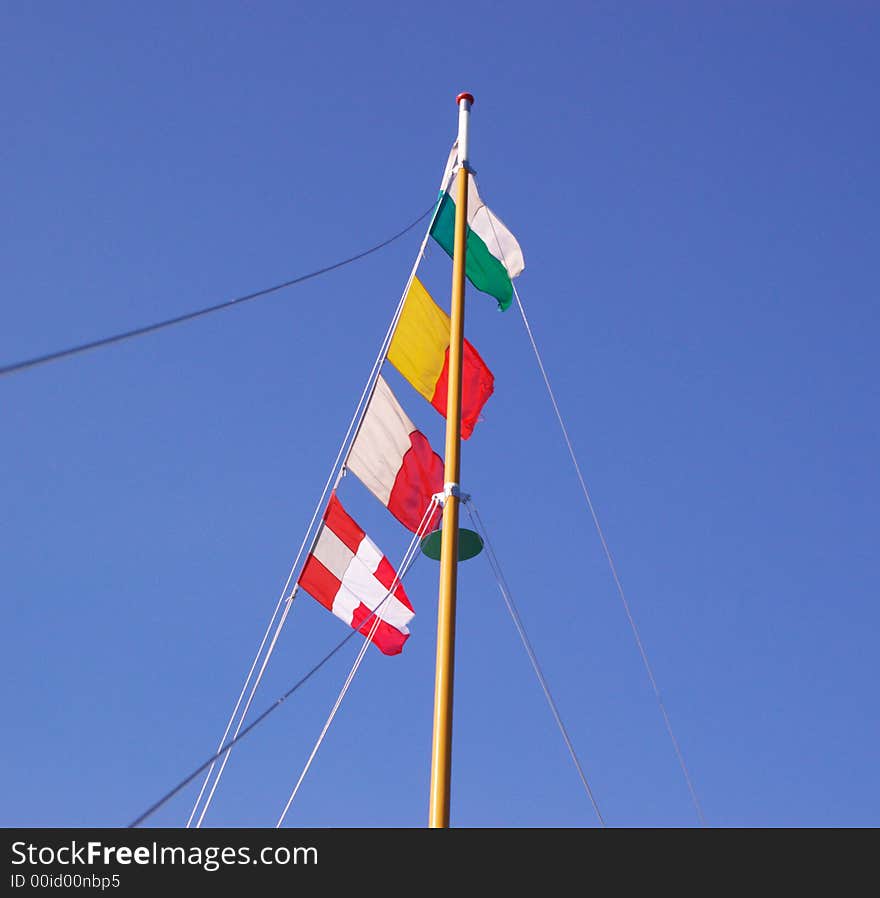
(441, 744)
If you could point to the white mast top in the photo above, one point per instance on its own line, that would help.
(465, 101)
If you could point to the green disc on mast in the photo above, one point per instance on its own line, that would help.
(469, 544)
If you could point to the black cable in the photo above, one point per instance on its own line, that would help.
(149, 328)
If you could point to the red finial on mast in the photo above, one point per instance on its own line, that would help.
(468, 97)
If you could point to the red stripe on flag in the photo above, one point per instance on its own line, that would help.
(387, 639)
(477, 385)
(319, 583)
(342, 524)
(386, 575)
(419, 477)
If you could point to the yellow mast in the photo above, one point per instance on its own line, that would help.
(441, 744)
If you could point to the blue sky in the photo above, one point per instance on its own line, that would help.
(694, 187)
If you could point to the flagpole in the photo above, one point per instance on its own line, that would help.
(441, 744)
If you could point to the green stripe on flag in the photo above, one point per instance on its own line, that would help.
(483, 270)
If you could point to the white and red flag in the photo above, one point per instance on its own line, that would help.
(348, 574)
(395, 462)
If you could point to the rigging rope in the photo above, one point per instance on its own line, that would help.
(235, 711)
(606, 549)
(189, 316)
(409, 557)
(517, 622)
(611, 564)
(243, 715)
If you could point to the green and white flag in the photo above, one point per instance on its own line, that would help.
(493, 256)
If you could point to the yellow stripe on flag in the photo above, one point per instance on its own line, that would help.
(418, 348)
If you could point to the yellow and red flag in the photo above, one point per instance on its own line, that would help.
(420, 352)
